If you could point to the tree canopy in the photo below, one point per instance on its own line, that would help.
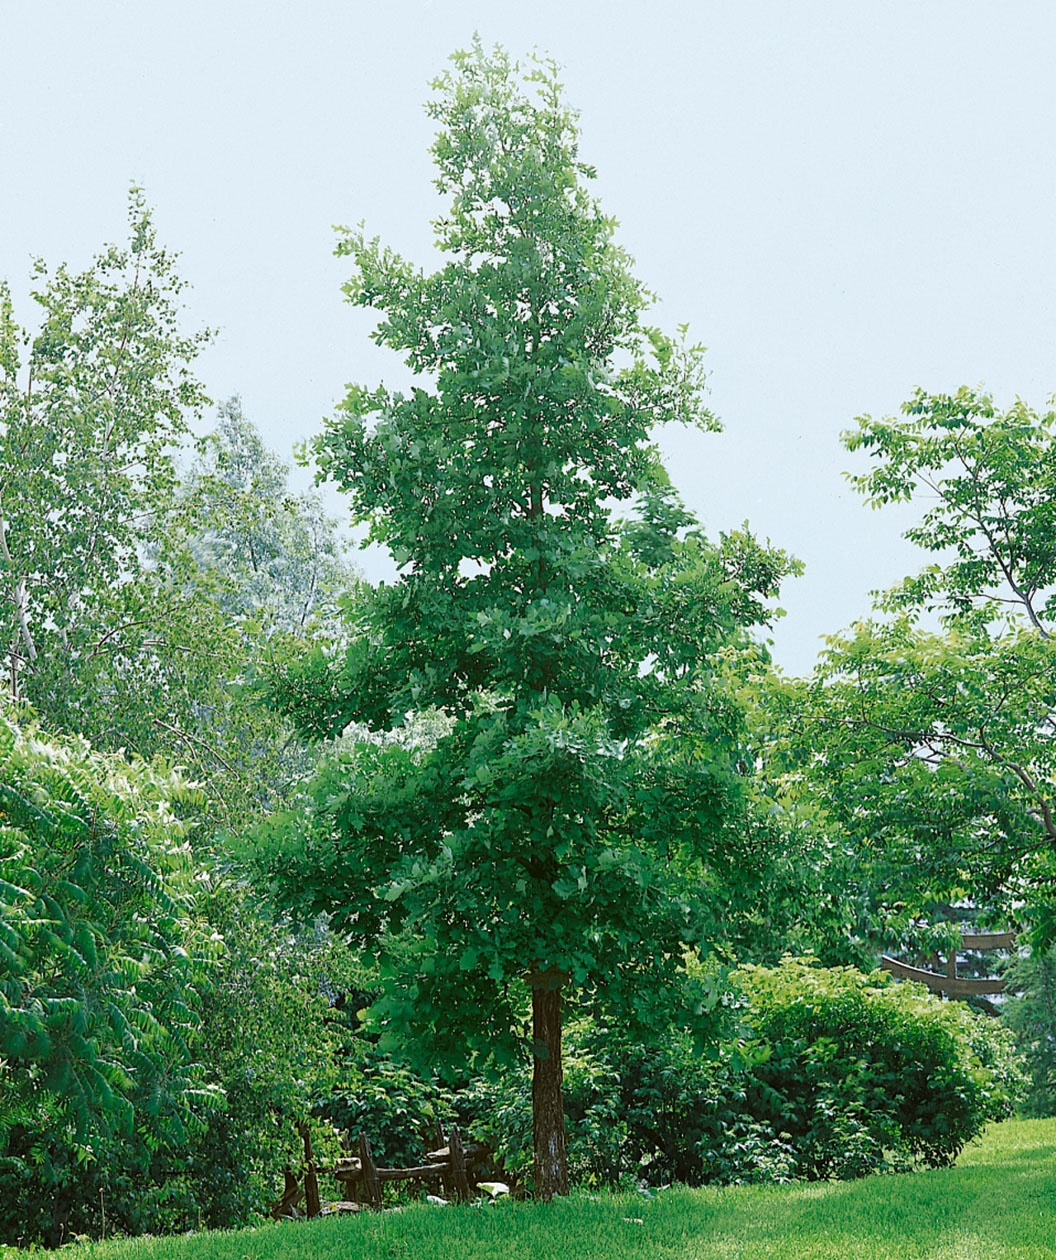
(91, 407)
(274, 559)
(926, 735)
(140, 601)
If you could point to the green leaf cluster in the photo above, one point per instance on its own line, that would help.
(104, 964)
(91, 405)
(857, 1068)
(142, 607)
(1031, 1015)
(922, 748)
(990, 476)
(271, 559)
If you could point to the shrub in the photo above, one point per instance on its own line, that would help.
(102, 970)
(268, 1039)
(656, 1113)
(158, 1038)
(865, 1073)
(394, 1107)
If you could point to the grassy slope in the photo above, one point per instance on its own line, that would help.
(999, 1203)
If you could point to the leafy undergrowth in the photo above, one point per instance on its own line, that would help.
(999, 1203)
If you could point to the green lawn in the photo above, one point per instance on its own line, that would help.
(998, 1203)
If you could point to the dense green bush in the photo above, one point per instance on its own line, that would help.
(266, 1043)
(396, 1108)
(864, 1073)
(159, 1038)
(660, 1114)
(269, 1039)
(103, 964)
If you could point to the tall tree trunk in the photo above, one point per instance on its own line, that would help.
(548, 1103)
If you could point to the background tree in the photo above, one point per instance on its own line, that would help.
(575, 816)
(930, 747)
(1031, 1015)
(276, 557)
(269, 1039)
(139, 609)
(87, 427)
(160, 1036)
(245, 574)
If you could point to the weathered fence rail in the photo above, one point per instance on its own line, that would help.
(948, 981)
(452, 1168)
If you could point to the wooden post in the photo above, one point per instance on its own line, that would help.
(432, 1135)
(292, 1195)
(548, 1104)
(446, 1181)
(369, 1182)
(312, 1204)
(461, 1190)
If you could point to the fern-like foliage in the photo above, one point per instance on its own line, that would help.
(102, 965)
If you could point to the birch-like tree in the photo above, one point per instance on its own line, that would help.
(93, 403)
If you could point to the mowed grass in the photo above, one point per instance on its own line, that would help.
(999, 1203)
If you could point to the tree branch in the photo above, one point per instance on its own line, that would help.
(191, 739)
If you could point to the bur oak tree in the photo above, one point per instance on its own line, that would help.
(571, 817)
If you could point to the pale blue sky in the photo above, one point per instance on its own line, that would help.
(845, 200)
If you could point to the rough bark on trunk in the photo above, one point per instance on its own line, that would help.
(548, 1104)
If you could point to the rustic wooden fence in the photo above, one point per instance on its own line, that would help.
(451, 1168)
(947, 980)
